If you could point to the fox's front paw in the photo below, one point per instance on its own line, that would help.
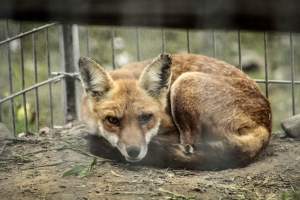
(187, 148)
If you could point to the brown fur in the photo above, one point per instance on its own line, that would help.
(214, 106)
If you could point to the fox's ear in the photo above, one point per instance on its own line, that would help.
(155, 78)
(96, 81)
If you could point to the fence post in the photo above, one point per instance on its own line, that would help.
(70, 57)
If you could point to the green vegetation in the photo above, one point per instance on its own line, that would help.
(126, 50)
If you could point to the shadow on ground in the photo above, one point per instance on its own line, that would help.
(57, 165)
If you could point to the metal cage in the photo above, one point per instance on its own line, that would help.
(65, 73)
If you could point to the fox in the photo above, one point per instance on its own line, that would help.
(216, 111)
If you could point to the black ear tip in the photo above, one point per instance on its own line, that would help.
(82, 61)
(166, 58)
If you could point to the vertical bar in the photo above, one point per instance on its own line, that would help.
(87, 41)
(188, 40)
(37, 103)
(239, 49)
(292, 72)
(76, 55)
(69, 66)
(23, 82)
(0, 111)
(163, 41)
(113, 35)
(137, 37)
(214, 43)
(49, 75)
(266, 64)
(1, 119)
(10, 74)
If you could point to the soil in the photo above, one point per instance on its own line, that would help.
(57, 165)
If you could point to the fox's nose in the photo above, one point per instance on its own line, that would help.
(133, 151)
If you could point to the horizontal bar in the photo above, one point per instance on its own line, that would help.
(75, 75)
(208, 14)
(56, 78)
(26, 33)
(276, 81)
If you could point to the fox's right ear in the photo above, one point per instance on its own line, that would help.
(96, 81)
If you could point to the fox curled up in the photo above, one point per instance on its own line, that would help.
(216, 111)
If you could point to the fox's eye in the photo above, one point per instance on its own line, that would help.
(145, 118)
(113, 120)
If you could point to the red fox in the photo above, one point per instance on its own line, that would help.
(213, 107)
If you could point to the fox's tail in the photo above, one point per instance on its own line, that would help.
(236, 151)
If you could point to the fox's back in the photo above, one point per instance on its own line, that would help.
(211, 67)
(182, 63)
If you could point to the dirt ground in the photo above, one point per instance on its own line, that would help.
(57, 165)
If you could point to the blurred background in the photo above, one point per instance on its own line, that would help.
(116, 46)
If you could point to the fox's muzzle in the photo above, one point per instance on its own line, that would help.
(133, 151)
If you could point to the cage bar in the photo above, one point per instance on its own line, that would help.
(37, 102)
(292, 60)
(49, 76)
(188, 41)
(266, 64)
(0, 111)
(87, 35)
(137, 38)
(69, 67)
(214, 47)
(33, 87)
(23, 82)
(113, 51)
(163, 41)
(213, 14)
(10, 74)
(9, 39)
(281, 82)
(239, 49)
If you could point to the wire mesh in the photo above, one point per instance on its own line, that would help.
(116, 43)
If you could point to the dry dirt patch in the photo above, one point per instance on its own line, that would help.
(59, 166)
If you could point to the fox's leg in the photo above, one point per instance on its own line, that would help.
(186, 110)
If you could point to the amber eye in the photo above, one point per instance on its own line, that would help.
(113, 120)
(145, 118)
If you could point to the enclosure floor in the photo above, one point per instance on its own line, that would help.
(34, 168)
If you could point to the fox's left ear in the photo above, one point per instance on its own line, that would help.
(155, 78)
(96, 81)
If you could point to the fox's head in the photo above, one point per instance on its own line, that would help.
(127, 112)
